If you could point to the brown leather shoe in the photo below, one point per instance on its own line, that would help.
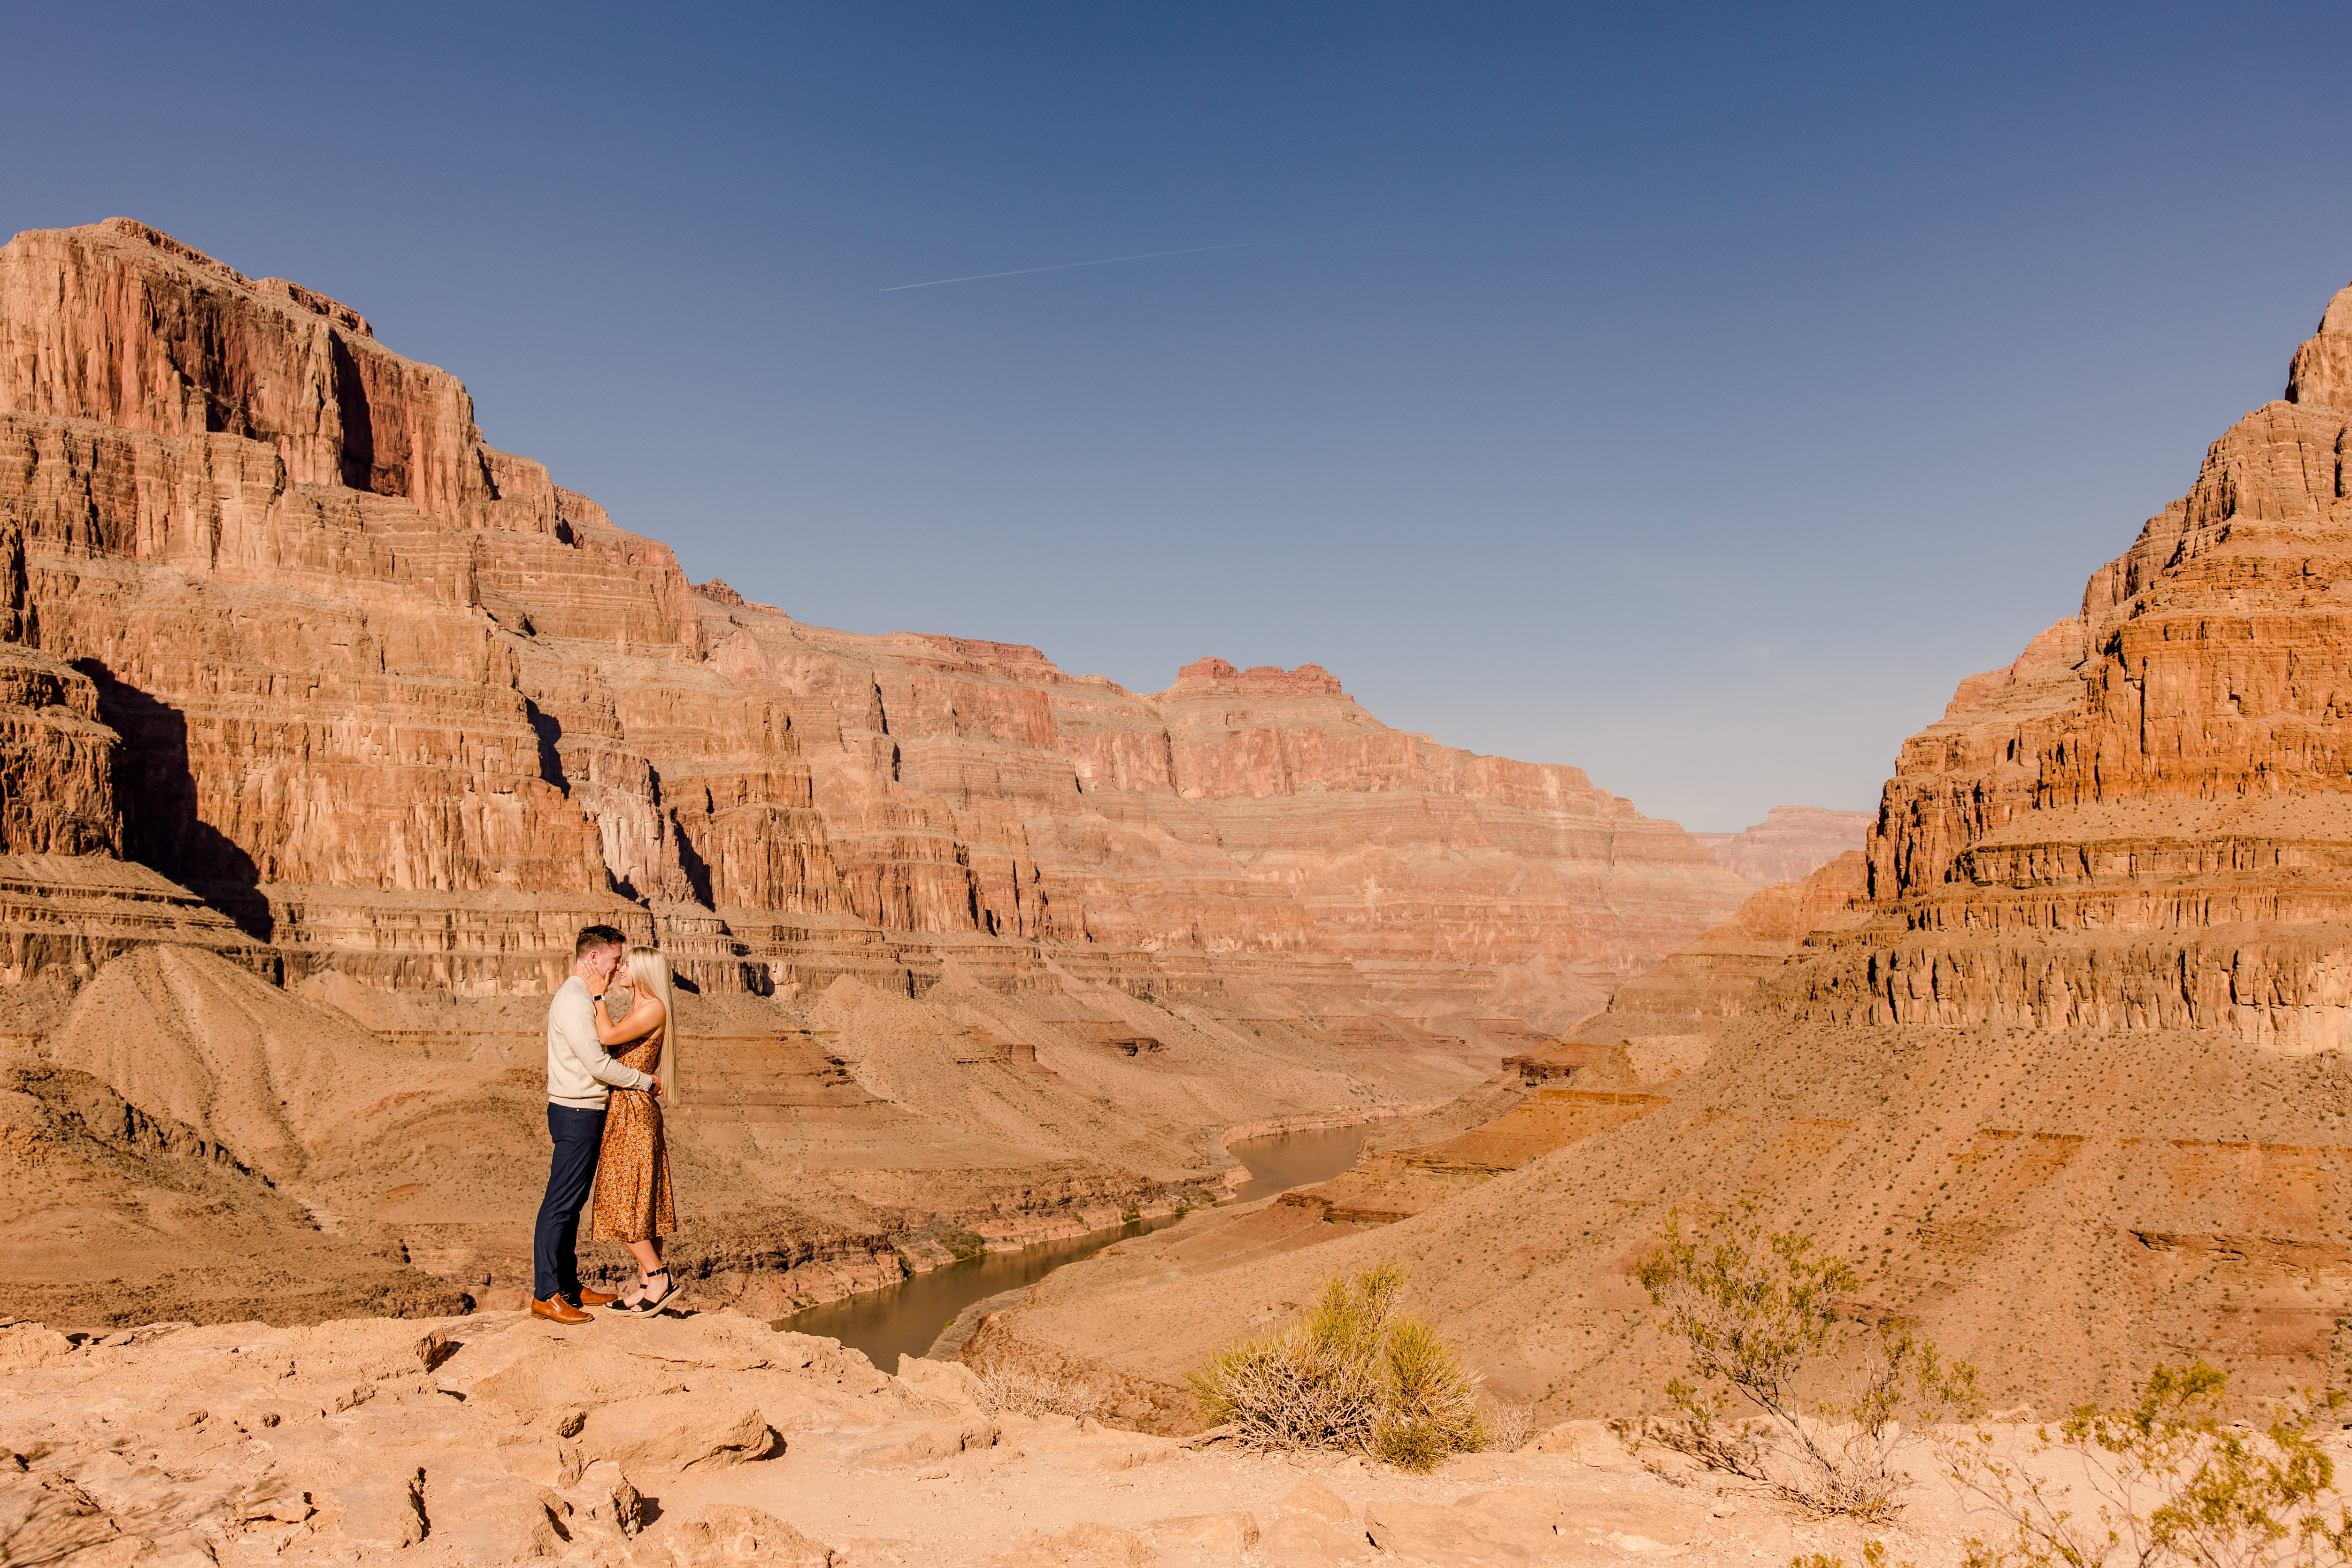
(555, 1309)
(595, 1298)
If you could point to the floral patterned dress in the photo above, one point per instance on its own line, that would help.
(633, 1194)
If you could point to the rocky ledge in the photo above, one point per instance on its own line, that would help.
(690, 1442)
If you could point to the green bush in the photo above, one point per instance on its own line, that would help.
(1354, 1374)
(2171, 1483)
(1758, 1313)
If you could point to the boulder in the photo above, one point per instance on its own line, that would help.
(1312, 1497)
(948, 1383)
(1310, 1541)
(1586, 1443)
(1230, 1534)
(560, 1382)
(737, 1537)
(664, 1434)
(920, 1442)
(481, 1518)
(30, 1344)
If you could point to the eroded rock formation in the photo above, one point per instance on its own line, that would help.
(354, 651)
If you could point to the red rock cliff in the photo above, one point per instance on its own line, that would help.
(421, 710)
(2146, 821)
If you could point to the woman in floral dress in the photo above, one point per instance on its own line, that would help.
(633, 1204)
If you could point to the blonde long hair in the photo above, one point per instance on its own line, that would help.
(649, 974)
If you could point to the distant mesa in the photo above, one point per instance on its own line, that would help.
(1263, 680)
(1793, 841)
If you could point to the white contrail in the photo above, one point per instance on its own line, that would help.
(1155, 254)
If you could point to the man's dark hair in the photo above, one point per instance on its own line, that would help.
(595, 937)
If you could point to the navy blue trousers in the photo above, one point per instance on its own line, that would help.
(554, 1255)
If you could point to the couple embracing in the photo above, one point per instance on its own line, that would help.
(608, 1062)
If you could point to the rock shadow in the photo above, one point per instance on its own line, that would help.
(690, 863)
(550, 731)
(156, 789)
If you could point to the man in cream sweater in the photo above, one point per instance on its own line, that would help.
(580, 1075)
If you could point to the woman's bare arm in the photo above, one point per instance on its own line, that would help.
(642, 1019)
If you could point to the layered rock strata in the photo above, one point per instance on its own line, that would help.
(353, 652)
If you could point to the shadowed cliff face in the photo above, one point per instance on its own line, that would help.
(354, 655)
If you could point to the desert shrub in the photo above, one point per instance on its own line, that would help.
(1010, 1390)
(1507, 1423)
(1355, 1374)
(2169, 1482)
(1756, 1312)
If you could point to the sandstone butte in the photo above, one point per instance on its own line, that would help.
(2056, 1058)
(323, 725)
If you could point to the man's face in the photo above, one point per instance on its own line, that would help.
(602, 961)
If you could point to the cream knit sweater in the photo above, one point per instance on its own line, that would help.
(581, 1073)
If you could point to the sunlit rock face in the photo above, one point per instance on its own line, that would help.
(355, 656)
(2146, 821)
(324, 725)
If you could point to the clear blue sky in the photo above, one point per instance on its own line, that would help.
(1749, 373)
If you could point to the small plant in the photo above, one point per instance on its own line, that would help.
(1354, 1374)
(2173, 1483)
(1508, 1424)
(1012, 1391)
(1758, 1313)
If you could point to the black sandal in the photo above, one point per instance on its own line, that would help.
(644, 1306)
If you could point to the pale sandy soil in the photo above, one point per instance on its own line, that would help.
(711, 1439)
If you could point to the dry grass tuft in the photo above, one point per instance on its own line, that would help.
(1355, 1375)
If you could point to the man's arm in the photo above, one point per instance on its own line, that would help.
(575, 1026)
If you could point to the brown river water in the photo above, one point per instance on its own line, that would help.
(906, 1318)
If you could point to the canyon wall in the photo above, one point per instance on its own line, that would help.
(2146, 821)
(357, 658)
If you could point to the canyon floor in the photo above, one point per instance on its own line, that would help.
(709, 1439)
